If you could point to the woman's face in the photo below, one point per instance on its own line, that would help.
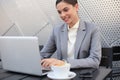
(68, 12)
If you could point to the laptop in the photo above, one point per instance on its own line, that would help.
(21, 54)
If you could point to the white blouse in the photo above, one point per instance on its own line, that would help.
(72, 33)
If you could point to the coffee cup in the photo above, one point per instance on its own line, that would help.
(61, 71)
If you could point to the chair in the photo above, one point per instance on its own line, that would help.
(116, 61)
(111, 59)
(40, 47)
(106, 60)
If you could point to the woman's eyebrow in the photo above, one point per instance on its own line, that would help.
(66, 8)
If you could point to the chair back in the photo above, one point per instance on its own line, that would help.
(40, 47)
(116, 53)
(106, 59)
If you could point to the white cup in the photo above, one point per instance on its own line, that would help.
(61, 71)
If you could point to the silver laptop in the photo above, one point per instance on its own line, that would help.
(21, 54)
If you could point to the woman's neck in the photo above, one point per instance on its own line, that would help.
(73, 23)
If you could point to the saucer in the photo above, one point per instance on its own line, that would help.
(70, 76)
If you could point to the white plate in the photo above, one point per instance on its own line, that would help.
(70, 76)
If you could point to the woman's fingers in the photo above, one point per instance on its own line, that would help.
(46, 62)
(51, 61)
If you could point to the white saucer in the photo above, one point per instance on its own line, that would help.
(70, 76)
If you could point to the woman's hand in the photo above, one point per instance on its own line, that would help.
(51, 61)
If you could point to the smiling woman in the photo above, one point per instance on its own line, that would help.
(68, 11)
(74, 41)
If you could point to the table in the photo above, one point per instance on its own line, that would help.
(100, 74)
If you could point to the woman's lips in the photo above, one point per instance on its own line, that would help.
(66, 19)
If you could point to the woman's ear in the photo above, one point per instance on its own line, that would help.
(77, 7)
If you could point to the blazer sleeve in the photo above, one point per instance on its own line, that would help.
(50, 46)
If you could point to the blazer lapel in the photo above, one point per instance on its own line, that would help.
(64, 37)
(80, 36)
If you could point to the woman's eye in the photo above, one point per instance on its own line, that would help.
(65, 9)
(59, 12)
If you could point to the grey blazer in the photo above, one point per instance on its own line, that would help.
(87, 46)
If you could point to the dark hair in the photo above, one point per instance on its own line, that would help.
(72, 2)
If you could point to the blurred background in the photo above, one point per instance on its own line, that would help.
(37, 18)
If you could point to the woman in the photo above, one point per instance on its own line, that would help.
(74, 41)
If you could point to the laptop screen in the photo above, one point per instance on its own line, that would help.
(20, 54)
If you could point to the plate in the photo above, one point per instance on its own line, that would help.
(70, 76)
